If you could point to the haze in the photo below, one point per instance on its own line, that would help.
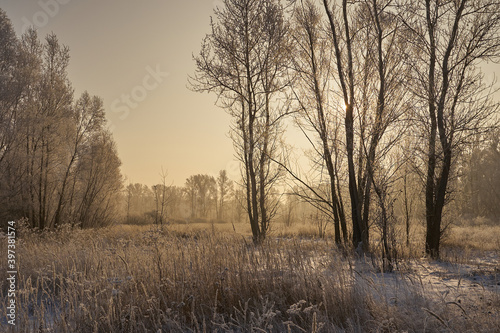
(114, 47)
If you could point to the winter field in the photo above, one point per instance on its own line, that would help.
(211, 278)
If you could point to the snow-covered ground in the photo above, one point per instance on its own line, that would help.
(466, 289)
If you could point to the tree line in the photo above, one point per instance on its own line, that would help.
(59, 163)
(387, 92)
(202, 198)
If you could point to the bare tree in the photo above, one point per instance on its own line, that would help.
(51, 146)
(224, 189)
(10, 86)
(89, 117)
(12, 89)
(345, 71)
(201, 190)
(312, 82)
(383, 101)
(367, 71)
(243, 60)
(46, 113)
(163, 197)
(450, 39)
(99, 183)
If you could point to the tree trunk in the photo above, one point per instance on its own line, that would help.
(357, 229)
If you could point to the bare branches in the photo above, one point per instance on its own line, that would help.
(244, 60)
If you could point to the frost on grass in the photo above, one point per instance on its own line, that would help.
(150, 280)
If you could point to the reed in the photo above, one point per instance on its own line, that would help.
(150, 279)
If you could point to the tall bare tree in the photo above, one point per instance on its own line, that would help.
(46, 113)
(10, 86)
(369, 72)
(450, 39)
(312, 82)
(12, 89)
(244, 60)
(340, 32)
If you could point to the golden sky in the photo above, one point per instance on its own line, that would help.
(137, 56)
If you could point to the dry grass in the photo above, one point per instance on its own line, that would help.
(475, 237)
(193, 279)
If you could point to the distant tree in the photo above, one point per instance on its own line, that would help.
(224, 189)
(140, 201)
(175, 201)
(238, 204)
(201, 191)
(288, 209)
(191, 195)
(128, 201)
(163, 197)
(479, 177)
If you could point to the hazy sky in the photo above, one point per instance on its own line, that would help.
(121, 50)
(125, 47)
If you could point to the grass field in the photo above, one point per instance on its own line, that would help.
(211, 278)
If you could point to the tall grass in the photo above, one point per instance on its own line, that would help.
(145, 279)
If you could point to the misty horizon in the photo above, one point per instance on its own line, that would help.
(157, 122)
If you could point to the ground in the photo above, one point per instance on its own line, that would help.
(211, 278)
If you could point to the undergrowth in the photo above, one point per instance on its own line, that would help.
(138, 279)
